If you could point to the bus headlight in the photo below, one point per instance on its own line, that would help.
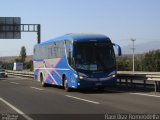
(75, 75)
(113, 75)
(81, 77)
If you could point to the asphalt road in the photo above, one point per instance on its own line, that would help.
(25, 98)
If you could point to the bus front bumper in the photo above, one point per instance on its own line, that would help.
(97, 82)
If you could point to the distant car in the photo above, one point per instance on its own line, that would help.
(3, 73)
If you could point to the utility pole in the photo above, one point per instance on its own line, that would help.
(38, 33)
(133, 40)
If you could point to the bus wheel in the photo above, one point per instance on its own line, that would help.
(42, 80)
(66, 86)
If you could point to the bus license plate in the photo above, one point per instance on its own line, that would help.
(98, 84)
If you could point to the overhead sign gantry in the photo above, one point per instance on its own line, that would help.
(11, 28)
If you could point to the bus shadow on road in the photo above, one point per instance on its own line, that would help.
(94, 91)
(120, 89)
(113, 90)
(85, 91)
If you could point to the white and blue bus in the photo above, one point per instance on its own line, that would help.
(76, 61)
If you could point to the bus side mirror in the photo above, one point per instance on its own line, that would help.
(70, 56)
(118, 49)
(71, 59)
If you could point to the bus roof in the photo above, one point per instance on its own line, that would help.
(79, 37)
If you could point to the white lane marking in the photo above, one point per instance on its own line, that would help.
(36, 88)
(82, 99)
(14, 83)
(146, 95)
(23, 78)
(2, 80)
(16, 109)
(142, 94)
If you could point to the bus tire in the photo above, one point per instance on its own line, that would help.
(66, 86)
(42, 80)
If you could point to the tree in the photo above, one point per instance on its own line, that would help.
(23, 54)
(124, 64)
(151, 61)
(146, 62)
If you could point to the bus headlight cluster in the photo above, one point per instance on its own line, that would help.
(75, 75)
(113, 75)
(81, 77)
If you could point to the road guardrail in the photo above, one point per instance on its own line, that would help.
(140, 76)
(21, 73)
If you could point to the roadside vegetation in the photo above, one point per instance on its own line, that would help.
(9, 61)
(145, 62)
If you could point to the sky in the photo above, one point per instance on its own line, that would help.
(120, 20)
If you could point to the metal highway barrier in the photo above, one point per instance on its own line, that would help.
(21, 73)
(123, 77)
(139, 76)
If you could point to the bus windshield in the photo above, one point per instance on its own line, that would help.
(94, 57)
